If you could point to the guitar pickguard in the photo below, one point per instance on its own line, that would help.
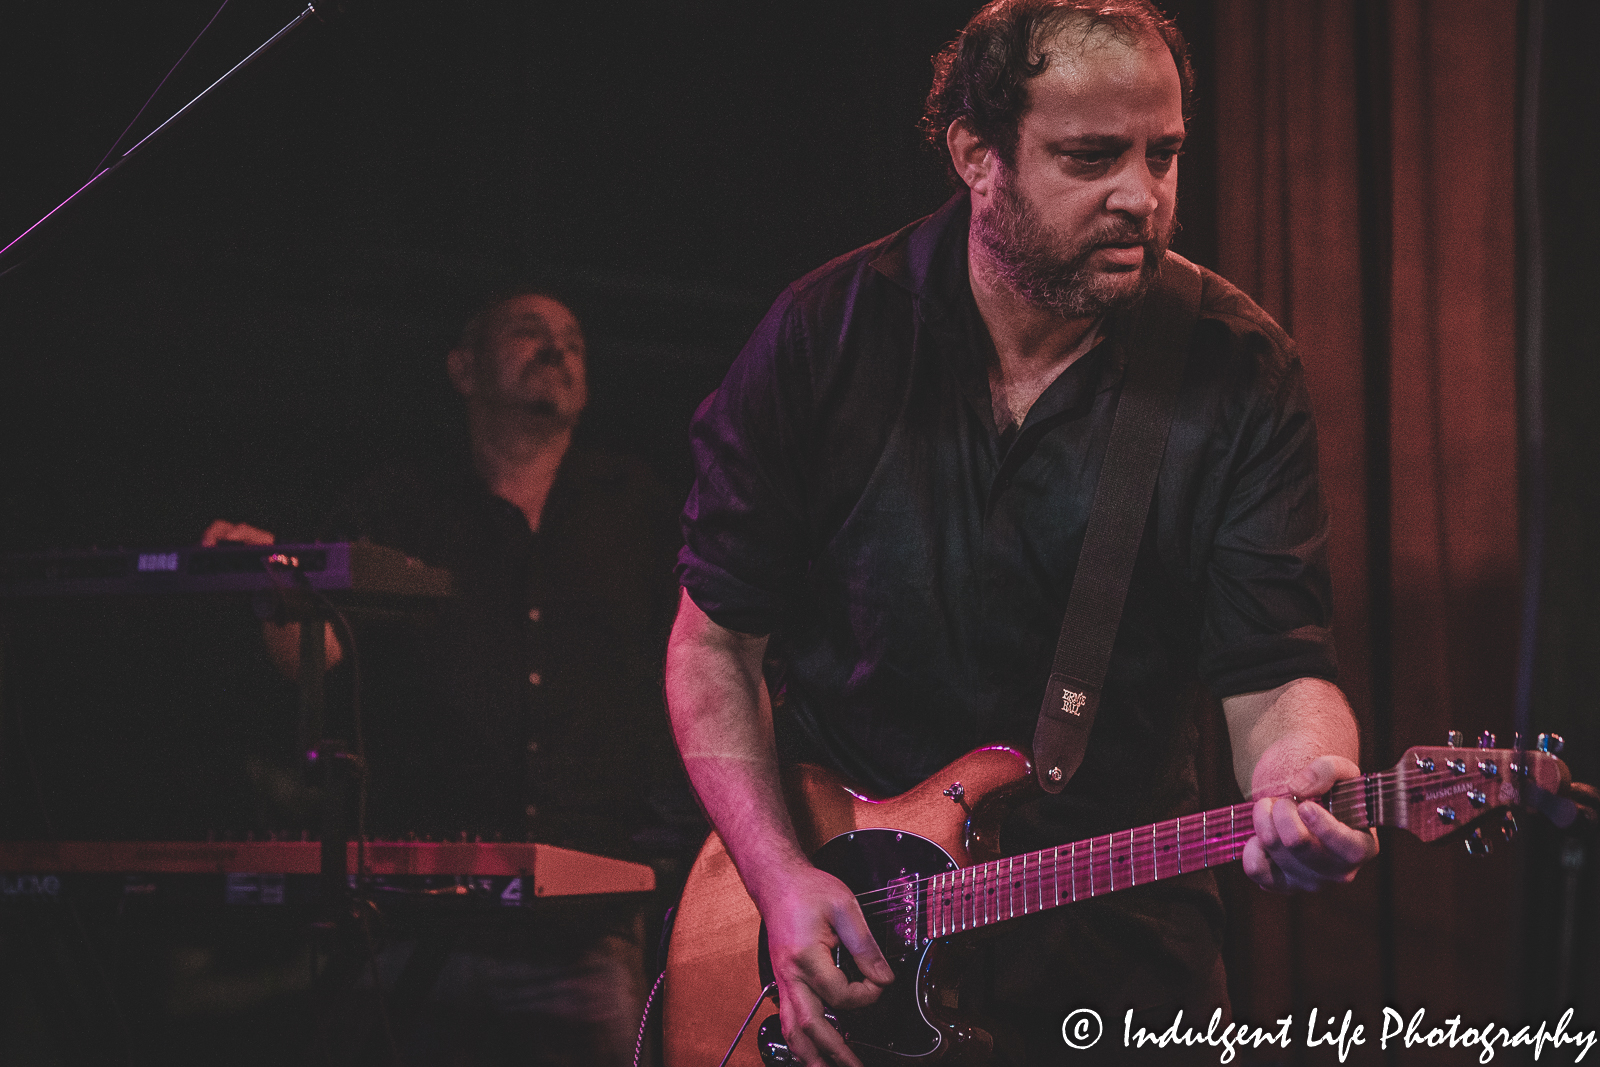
(882, 866)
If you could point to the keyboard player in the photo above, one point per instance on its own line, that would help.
(531, 707)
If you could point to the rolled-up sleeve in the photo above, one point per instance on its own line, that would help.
(1268, 603)
(744, 525)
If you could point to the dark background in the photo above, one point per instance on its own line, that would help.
(254, 313)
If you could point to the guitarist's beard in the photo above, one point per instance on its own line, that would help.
(1053, 273)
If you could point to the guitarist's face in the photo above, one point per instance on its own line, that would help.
(1078, 220)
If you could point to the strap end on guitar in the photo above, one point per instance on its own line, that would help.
(1065, 719)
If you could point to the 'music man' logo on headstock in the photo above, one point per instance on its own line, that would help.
(1072, 701)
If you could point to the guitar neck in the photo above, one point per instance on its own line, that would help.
(1012, 886)
(1431, 792)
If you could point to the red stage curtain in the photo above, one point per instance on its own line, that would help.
(1291, 170)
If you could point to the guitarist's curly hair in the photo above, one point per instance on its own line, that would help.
(982, 76)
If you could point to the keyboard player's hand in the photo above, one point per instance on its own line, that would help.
(237, 533)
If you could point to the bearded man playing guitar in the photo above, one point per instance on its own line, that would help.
(894, 481)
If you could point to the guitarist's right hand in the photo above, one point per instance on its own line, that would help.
(808, 913)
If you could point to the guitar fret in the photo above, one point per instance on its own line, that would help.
(985, 896)
(988, 915)
(979, 895)
(948, 904)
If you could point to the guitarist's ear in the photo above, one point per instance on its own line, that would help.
(972, 158)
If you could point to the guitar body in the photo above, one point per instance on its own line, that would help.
(716, 964)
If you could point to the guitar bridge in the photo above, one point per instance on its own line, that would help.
(902, 894)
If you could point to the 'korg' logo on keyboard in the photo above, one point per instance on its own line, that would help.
(158, 561)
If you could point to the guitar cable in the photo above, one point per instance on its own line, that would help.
(644, 1020)
(768, 990)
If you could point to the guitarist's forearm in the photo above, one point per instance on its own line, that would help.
(722, 719)
(1276, 734)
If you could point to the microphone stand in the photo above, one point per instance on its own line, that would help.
(13, 250)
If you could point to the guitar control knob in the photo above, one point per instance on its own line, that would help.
(1508, 826)
(1446, 814)
(1478, 845)
(1455, 738)
(1551, 743)
(1478, 798)
(1486, 740)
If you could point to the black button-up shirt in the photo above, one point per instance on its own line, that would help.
(854, 497)
(531, 704)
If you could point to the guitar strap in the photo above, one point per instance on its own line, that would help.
(1154, 346)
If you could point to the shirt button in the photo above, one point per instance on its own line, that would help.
(535, 678)
(533, 748)
(534, 614)
(532, 810)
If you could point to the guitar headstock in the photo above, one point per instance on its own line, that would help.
(1438, 791)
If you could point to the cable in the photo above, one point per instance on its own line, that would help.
(644, 1020)
(345, 634)
(146, 105)
(766, 991)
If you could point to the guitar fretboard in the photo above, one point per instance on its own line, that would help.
(1012, 886)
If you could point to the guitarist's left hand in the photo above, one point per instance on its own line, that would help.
(1298, 845)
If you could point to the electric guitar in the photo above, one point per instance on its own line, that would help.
(925, 866)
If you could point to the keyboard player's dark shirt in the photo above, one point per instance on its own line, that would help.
(531, 706)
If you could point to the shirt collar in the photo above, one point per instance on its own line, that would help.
(929, 258)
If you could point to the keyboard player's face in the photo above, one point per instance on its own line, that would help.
(529, 358)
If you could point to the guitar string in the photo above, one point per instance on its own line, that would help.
(993, 886)
(1347, 799)
(1143, 847)
(987, 891)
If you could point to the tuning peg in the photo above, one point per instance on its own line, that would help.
(1477, 844)
(1508, 826)
(1486, 740)
(1551, 743)
(1455, 738)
